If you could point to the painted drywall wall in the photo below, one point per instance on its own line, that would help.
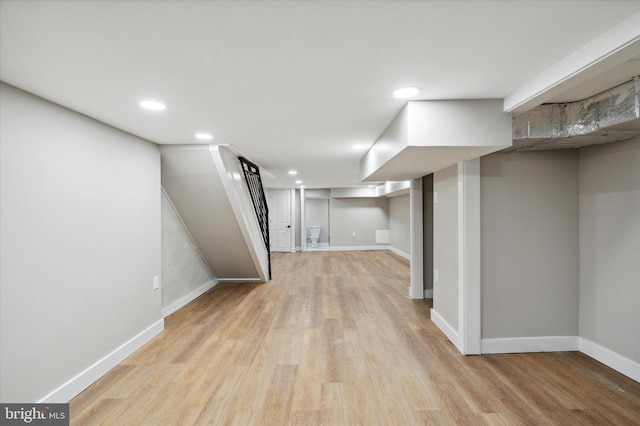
(399, 224)
(529, 220)
(317, 193)
(183, 268)
(609, 200)
(317, 213)
(360, 215)
(79, 243)
(445, 245)
(362, 192)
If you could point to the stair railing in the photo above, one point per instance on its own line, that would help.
(256, 190)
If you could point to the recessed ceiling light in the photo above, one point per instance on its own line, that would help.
(298, 181)
(293, 172)
(203, 136)
(152, 105)
(406, 92)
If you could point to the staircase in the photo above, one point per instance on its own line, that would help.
(206, 185)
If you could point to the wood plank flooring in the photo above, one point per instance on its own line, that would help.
(334, 339)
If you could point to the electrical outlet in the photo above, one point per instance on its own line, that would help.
(156, 282)
(354, 234)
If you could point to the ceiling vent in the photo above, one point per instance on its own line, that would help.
(611, 116)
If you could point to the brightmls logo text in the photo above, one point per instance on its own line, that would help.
(36, 414)
(28, 416)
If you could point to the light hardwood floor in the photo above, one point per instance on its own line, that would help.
(334, 339)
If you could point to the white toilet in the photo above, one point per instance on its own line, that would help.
(314, 231)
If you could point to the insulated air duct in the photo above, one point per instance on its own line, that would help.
(611, 116)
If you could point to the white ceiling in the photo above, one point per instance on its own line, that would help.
(289, 84)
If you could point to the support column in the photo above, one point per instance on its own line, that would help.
(469, 302)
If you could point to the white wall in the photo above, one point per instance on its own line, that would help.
(360, 215)
(609, 185)
(79, 242)
(183, 269)
(399, 224)
(445, 245)
(529, 219)
(317, 193)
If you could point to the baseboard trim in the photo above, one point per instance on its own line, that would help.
(240, 280)
(80, 382)
(530, 344)
(446, 328)
(400, 253)
(349, 248)
(428, 294)
(358, 248)
(184, 300)
(611, 359)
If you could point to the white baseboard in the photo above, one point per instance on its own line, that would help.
(611, 359)
(428, 294)
(530, 344)
(80, 382)
(168, 310)
(353, 248)
(400, 253)
(358, 248)
(239, 280)
(446, 328)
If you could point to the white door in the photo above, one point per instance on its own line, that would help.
(280, 212)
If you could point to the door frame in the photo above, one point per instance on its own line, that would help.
(292, 215)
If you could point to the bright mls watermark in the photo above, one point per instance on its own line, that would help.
(34, 414)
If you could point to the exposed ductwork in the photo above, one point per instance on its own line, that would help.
(611, 116)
